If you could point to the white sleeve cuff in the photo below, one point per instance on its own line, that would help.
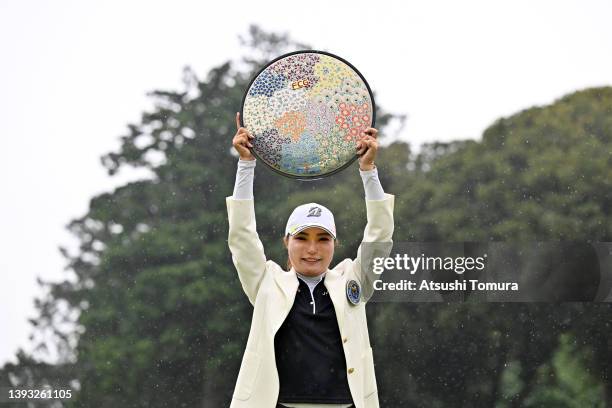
(243, 188)
(371, 184)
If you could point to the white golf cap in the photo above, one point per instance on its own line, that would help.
(310, 215)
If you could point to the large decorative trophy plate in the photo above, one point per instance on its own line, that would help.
(307, 109)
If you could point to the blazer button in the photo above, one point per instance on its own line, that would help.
(344, 340)
(351, 370)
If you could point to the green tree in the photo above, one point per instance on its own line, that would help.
(544, 174)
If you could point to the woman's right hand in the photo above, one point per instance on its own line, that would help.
(241, 141)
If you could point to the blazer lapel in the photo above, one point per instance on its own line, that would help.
(288, 283)
(335, 286)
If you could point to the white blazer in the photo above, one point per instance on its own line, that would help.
(271, 291)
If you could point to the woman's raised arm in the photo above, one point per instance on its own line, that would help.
(244, 243)
(377, 237)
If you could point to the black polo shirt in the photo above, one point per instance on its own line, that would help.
(309, 354)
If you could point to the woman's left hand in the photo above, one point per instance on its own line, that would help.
(367, 148)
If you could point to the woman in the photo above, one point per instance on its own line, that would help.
(308, 346)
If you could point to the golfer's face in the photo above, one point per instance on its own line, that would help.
(311, 251)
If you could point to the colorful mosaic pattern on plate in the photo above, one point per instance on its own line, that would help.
(306, 111)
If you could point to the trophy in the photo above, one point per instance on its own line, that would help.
(306, 111)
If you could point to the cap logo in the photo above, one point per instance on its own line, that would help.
(314, 212)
